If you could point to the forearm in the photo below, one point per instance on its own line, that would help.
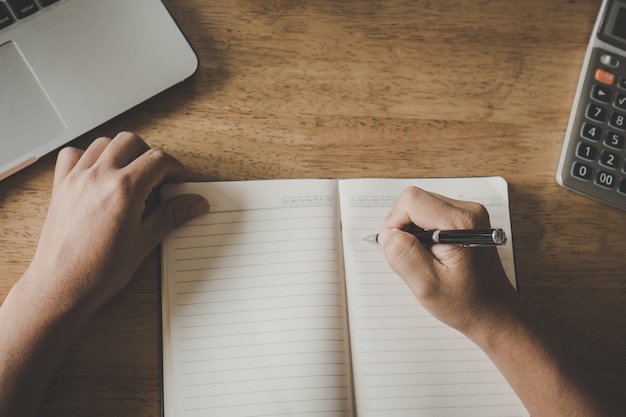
(36, 329)
(547, 379)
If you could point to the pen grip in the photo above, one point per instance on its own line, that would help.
(480, 237)
(465, 237)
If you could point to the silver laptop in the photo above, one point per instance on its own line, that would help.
(67, 66)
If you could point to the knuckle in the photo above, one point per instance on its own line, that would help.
(121, 186)
(68, 152)
(162, 159)
(479, 215)
(103, 139)
(412, 193)
(126, 135)
(131, 139)
(473, 215)
(157, 154)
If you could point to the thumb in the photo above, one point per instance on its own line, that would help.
(409, 259)
(171, 214)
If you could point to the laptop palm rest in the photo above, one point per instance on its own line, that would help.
(25, 110)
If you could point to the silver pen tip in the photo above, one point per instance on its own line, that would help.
(371, 238)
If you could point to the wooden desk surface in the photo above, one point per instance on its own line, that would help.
(356, 88)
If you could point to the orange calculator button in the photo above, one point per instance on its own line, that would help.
(605, 77)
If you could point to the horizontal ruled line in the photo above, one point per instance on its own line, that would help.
(264, 220)
(426, 373)
(264, 391)
(285, 342)
(430, 384)
(240, 255)
(298, 273)
(262, 367)
(268, 403)
(250, 232)
(260, 321)
(396, 397)
(278, 378)
(269, 355)
(303, 329)
(254, 265)
(272, 297)
(260, 242)
(258, 309)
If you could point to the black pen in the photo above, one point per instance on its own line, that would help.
(466, 238)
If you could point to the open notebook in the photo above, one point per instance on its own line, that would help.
(271, 309)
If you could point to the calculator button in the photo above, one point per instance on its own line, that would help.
(591, 132)
(605, 76)
(596, 113)
(614, 140)
(621, 83)
(586, 151)
(620, 101)
(609, 60)
(609, 159)
(605, 179)
(581, 171)
(618, 120)
(600, 93)
(622, 186)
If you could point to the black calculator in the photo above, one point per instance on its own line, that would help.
(593, 160)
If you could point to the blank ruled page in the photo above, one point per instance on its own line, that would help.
(405, 362)
(253, 304)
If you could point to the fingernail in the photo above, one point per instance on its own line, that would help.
(199, 207)
(383, 236)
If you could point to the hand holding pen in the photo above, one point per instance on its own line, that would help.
(460, 287)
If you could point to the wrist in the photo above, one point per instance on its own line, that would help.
(52, 298)
(497, 326)
(36, 328)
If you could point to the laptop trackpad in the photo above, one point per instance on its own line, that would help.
(25, 110)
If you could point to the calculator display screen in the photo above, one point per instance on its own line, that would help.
(613, 28)
(619, 27)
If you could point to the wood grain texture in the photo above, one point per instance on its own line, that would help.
(359, 88)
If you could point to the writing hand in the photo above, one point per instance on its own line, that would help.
(468, 289)
(463, 287)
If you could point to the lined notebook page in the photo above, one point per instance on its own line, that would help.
(254, 304)
(405, 362)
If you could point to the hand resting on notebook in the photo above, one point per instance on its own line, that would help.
(467, 288)
(96, 234)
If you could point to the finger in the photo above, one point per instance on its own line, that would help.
(152, 168)
(171, 214)
(432, 211)
(93, 152)
(419, 207)
(66, 161)
(409, 259)
(123, 149)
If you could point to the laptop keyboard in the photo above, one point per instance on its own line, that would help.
(12, 11)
